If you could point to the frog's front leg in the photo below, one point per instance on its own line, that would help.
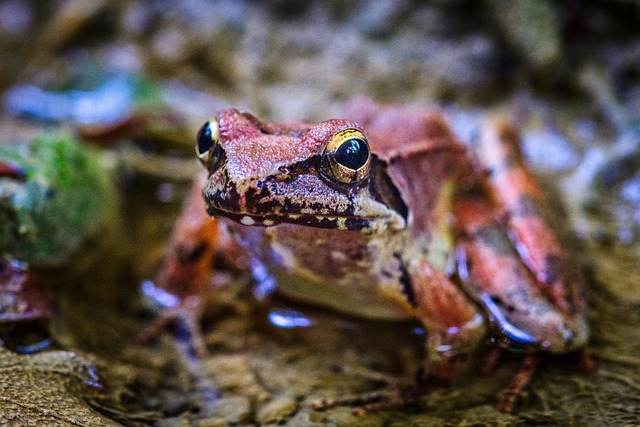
(455, 326)
(182, 281)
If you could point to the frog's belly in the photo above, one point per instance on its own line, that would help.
(342, 270)
(358, 299)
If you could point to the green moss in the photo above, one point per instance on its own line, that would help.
(67, 193)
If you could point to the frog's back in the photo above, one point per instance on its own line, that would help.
(392, 128)
(425, 160)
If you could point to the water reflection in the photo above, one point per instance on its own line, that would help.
(288, 318)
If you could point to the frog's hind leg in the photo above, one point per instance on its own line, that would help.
(525, 210)
(493, 274)
(489, 269)
(521, 315)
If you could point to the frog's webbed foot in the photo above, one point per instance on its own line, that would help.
(396, 392)
(188, 339)
(455, 330)
(524, 375)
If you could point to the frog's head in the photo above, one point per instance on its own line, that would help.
(320, 176)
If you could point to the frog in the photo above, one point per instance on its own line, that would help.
(385, 214)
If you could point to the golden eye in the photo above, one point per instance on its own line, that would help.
(346, 157)
(207, 148)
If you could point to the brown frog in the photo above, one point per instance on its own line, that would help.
(384, 214)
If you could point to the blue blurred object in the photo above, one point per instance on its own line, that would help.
(288, 319)
(109, 103)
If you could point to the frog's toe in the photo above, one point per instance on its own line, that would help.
(519, 382)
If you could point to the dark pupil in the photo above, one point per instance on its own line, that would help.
(205, 139)
(352, 153)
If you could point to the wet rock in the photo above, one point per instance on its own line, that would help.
(234, 409)
(48, 389)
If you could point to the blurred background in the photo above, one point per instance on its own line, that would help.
(100, 103)
(286, 59)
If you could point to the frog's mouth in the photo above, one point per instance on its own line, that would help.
(304, 197)
(347, 223)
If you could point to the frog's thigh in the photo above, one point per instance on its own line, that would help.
(454, 325)
(523, 206)
(495, 274)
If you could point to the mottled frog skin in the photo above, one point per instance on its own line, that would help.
(365, 215)
(384, 214)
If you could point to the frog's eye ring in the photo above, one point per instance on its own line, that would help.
(347, 157)
(207, 148)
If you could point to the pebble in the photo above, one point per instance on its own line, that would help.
(277, 410)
